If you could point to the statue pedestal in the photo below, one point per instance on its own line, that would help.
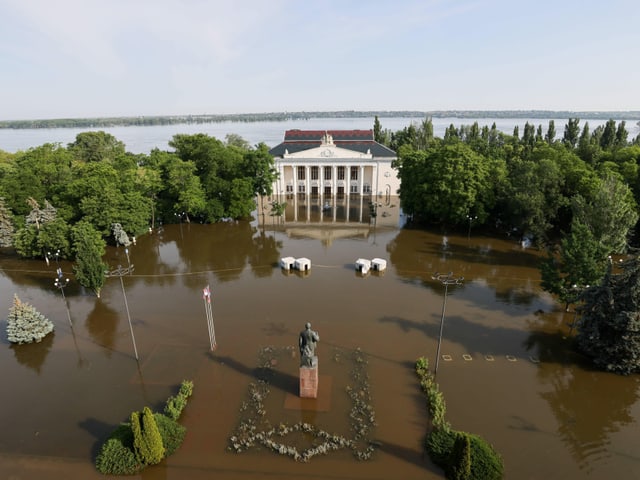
(309, 382)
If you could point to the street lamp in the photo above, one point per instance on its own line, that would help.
(446, 280)
(59, 283)
(120, 272)
(578, 296)
(49, 255)
(471, 219)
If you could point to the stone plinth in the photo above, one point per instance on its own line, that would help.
(309, 382)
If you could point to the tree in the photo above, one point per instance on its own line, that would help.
(580, 262)
(147, 442)
(235, 140)
(447, 182)
(377, 130)
(89, 247)
(608, 138)
(610, 213)
(96, 147)
(43, 232)
(25, 324)
(551, 132)
(534, 195)
(7, 230)
(571, 133)
(609, 326)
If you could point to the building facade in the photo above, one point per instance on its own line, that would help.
(334, 163)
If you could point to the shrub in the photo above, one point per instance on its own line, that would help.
(460, 462)
(116, 456)
(462, 455)
(147, 442)
(175, 404)
(439, 444)
(172, 433)
(486, 463)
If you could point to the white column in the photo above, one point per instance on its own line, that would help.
(361, 180)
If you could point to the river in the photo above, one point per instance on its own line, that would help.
(507, 369)
(144, 139)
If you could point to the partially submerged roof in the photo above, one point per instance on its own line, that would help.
(358, 140)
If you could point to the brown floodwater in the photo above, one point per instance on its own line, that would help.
(507, 369)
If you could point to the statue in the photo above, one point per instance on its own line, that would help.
(307, 343)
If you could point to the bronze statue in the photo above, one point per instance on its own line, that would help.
(307, 342)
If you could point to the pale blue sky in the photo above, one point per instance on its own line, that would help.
(74, 58)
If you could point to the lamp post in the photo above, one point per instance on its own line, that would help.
(59, 283)
(471, 219)
(446, 280)
(120, 272)
(126, 251)
(578, 296)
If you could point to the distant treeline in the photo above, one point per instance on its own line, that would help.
(106, 122)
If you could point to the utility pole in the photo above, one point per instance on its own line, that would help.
(59, 283)
(121, 272)
(446, 280)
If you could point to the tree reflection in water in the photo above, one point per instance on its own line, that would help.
(33, 355)
(102, 325)
(589, 405)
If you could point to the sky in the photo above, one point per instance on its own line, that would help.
(96, 58)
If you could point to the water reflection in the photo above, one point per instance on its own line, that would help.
(589, 407)
(102, 324)
(33, 355)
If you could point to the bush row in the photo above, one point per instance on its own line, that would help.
(462, 455)
(146, 439)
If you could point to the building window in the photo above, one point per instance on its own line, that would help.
(327, 173)
(289, 188)
(340, 173)
(354, 173)
(354, 188)
(301, 188)
(302, 173)
(366, 188)
(314, 173)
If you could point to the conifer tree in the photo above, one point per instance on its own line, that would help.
(609, 327)
(25, 324)
(147, 442)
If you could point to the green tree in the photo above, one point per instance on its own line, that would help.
(534, 196)
(235, 140)
(96, 147)
(610, 213)
(609, 326)
(89, 247)
(377, 130)
(571, 133)
(7, 229)
(39, 173)
(43, 232)
(447, 182)
(461, 458)
(580, 262)
(608, 138)
(551, 132)
(147, 442)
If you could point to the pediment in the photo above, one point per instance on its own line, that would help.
(327, 152)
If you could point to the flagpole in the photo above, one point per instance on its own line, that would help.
(206, 296)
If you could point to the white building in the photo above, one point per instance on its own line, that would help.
(334, 163)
